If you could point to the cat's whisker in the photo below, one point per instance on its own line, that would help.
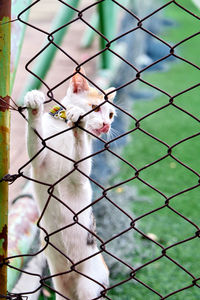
(113, 133)
(122, 104)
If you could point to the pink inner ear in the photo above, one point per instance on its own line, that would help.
(79, 84)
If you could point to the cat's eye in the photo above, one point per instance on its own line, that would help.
(111, 115)
(97, 108)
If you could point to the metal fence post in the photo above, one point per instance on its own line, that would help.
(5, 15)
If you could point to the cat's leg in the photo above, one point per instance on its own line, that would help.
(96, 269)
(63, 287)
(34, 103)
(63, 284)
(82, 142)
(74, 112)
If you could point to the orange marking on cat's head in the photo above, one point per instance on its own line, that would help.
(95, 97)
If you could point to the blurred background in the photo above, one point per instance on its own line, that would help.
(164, 76)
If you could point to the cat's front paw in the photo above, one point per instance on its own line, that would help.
(74, 112)
(34, 100)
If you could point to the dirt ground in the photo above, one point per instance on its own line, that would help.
(41, 16)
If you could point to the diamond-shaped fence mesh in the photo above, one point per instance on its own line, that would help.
(162, 253)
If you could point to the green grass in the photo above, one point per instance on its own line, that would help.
(168, 176)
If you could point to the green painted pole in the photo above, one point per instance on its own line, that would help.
(89, 34)
(5, 16)
(107, 26)
(17, 36)
(45, 59)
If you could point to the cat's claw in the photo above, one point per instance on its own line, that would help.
(74, 112)
(34, 100)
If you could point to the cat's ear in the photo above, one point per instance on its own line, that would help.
(78, 83)
(111, 96)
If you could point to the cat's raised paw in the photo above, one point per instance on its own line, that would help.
(34, 100)
(74, 112)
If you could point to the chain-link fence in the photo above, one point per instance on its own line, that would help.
(132, 224)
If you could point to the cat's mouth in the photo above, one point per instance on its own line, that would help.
(104, 129)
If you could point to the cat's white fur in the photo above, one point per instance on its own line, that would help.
(74, 190)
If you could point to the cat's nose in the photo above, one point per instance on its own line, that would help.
(105, 128)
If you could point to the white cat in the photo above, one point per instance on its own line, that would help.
(70, 189)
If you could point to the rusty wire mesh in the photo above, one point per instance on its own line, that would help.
(133, 271)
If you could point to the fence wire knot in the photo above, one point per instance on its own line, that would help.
(10, 178)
